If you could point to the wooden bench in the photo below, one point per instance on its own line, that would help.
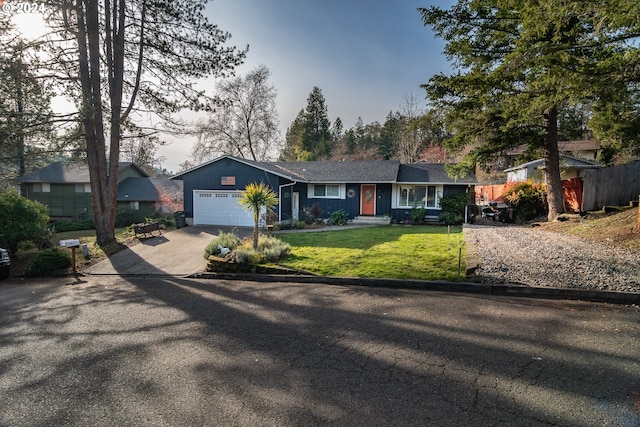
(145, 228)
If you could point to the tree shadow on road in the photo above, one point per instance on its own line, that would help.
(283, 353)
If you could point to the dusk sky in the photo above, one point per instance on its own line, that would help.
(364, 55)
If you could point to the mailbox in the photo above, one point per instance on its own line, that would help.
(70, 243)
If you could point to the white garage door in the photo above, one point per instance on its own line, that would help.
(219, 208)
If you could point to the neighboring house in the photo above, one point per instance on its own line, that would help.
(583, 149)
(570, 168)
(64, 188)
(361, 188)
(145, 196)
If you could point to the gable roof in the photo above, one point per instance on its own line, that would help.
(320, 171)
(363, 171)
(68, 173)
(434, 173)
(342, 171)
(147, 189)
(569, 161)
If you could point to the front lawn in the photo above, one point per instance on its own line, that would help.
(396, 252)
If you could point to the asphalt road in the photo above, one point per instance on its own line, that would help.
(180, 352)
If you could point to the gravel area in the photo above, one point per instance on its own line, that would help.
(533, 257)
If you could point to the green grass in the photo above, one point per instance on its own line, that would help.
(398, 252)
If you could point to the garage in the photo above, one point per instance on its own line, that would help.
(211, 207)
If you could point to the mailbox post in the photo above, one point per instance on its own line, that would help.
(73, 244)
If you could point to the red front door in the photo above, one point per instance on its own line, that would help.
(368, 200)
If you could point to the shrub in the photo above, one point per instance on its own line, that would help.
(273, 248)
(21, 219)
(284, 225)
(299, 224)
(62, 226)
(316, 212)
(161, 219)
(528, 199)
(417, 215)
(226, 240)
(48, 262)
(244, 256)
(339, 217)
(125, 216)
(453, 208)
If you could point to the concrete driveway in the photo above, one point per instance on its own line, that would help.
(175, 253)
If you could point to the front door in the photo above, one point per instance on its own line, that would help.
(368, 199)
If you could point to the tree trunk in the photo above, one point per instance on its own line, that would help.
(638, 223)
(103, 199)
(555, 194)
(256, 233)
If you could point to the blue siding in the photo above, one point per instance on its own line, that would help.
(209, 178)
(351, 203)
(399, 215)
(383, 204)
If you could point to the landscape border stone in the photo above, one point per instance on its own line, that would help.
(614, 297)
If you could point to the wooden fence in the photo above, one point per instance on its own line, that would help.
(572, 189)
(612, 186)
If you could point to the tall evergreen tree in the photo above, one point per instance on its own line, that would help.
(123, 56)
(519, 62)
(317, 133)
(389, 135)
(293, 144)
(337, 130)
(25, 112)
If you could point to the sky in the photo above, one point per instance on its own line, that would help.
(365, 55)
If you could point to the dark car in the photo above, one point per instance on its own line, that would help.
(5, 264)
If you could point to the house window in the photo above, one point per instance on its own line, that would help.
(83, 188)
(43, 187)
(326, 190)
(421, 196)
(135, 206)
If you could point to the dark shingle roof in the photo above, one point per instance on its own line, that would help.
(340, 171)
(147, 189)
(434, 173)
(66, 173)
(362, 171)
(59, 172)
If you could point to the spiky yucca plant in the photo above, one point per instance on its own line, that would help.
(254, 198)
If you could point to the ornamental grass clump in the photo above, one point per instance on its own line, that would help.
(224, 240)
(273, 248)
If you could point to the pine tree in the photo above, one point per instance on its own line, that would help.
(519, 62)
(317, 135)
(128, 56)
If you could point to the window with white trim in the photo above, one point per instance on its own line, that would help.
(326, 191)
(420, 196)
